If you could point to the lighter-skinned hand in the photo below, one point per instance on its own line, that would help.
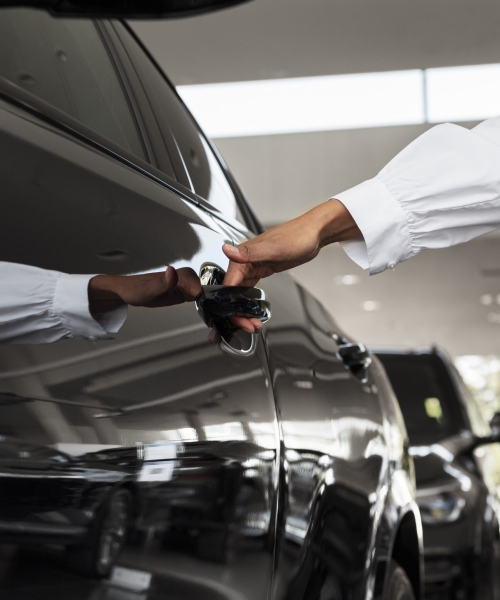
(289, 245)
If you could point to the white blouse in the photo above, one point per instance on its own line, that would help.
(39, 306)
(441, 190)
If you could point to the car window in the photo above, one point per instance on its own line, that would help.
(428, 401)
(207, 176)
(65, 63)
(479, 425)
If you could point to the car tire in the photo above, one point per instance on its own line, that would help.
(398, 586)
(107, 537)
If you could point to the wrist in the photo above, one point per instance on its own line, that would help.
(335, 223)
(103, 289)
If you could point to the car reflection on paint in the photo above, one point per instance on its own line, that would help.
(50, 497)
(91, 503)
(217, 498)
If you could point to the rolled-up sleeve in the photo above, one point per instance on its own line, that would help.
(39, 306)
(441, 190)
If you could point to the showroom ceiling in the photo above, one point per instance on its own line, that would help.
(293, 38)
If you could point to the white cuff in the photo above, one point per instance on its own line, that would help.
(112, 320)
(382, 222)
(71, 306)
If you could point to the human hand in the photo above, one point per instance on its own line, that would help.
(164, 288)
(152, 290)
(289, 245)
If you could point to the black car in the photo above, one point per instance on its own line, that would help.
(458, 473)
(269, 466)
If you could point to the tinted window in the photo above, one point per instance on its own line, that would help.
(425, 393)
(65, 63)
(207, 176)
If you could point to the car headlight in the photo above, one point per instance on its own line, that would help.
(440, 508)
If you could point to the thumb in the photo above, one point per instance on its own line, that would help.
(243, 253)
(169, 278)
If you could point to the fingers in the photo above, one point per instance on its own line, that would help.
(213, 335)
(236, 254)
(249, 325)
(236, 274)
(262, 249)
(189, 283)
(170, 278)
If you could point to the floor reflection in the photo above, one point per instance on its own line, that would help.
(40, 573)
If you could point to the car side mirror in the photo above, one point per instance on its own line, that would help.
(491, 439)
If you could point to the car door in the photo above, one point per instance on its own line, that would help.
(93, 184)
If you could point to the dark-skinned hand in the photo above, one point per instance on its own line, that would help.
(152, 290)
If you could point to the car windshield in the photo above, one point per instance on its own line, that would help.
(429, 403)
(13, 448)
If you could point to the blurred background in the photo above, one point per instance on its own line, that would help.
(306, 99)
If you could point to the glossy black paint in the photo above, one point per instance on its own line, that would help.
(126, 9)
(457, 485)
(284, 474)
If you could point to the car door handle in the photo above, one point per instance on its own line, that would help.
(217, 303)
(354, 356)
(215, 307)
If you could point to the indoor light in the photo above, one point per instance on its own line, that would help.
(463, 93)
(353, 101)
(370, 305)
(346, 279)
(300, 104)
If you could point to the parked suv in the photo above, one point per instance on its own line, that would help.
(269, 466)
(458, 473)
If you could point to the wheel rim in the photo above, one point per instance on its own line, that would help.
(113, 531)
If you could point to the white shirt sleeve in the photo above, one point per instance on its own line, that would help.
(39, 307)
(441, 190)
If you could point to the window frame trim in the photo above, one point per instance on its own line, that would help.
(251, 222)
(60, 120)
(183, 179)
(127, 89)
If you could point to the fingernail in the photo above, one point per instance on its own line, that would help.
(230, 247)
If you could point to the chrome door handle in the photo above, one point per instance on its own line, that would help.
(217, 303)
(211, 274)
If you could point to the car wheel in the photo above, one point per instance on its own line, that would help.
(398, 586)
(108, 536)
